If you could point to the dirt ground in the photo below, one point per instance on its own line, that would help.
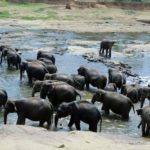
(32, 138)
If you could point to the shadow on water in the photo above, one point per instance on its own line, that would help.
(30, 41)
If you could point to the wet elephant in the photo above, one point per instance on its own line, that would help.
(35, 110)
(131, 91)
(111, 87)
(106, 46)
(145, 120)
(79, 111)
(115, 102)
(3, 97)
(58, 92)
(116, 77)
(92, 77)
(34, 70)
(47, 55)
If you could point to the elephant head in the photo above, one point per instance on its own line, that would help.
(63, 110)
(10, 107)
(23, 67)
(82, 70)
(98, 96)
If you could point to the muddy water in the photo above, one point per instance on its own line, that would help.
(68, 48)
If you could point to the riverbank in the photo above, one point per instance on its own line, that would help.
(33, 138)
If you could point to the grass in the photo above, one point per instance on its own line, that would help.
(4, 14)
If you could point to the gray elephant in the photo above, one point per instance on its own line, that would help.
(92, 77)
(80, 111)
(47, 55)
(116, 77)
(35, 109)
(118, 103)
(13, 58)
(3, 97)
(132, 91)
(144, 93)
(106, 46)
(74, 80)
(58, 92)
(111, 87)
(145, 120)
(34, 70)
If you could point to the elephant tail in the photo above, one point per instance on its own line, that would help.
(100, 124)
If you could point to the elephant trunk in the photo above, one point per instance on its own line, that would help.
(93, 100)
(56, 120)
(5, 116)
(33, 92)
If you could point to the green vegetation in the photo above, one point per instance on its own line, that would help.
(4, 14)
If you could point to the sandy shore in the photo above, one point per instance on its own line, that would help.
(33, 138)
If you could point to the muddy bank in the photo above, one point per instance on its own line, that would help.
(27, 137)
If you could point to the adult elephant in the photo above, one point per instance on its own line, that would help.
(47, 55)
(13, 58)
(118, 103)
(92, 77)
(36, 110)
(144, 93)
(111, 87)
(132, 91)
(106, 46)
(34, 70)
(76, 81)
(79, 111)
(116, 77)
(145, 120)
(3, 97)
(58, 92)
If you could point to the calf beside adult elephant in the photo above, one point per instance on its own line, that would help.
(58, 92)
(35, 109)
(145, 120)
(3, 97)
(93, 77)
(79, 111)
(116, 77)
(118, 103)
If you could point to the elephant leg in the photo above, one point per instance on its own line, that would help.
(87, 85)
(77, 124)
(107, 111)
(49, 121)
(142, 102)
(106, 53)
(125, 116)
(41, 123)
(143, 129)
(30, 80)
(71, 122)
(139, 124)
(21, 120)
(147, 129)
(110, 53)
(93, 127)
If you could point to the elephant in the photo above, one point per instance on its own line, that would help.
(144, 93)
(145, 120)
(92, 77)
(79, 111)
(35, 109)
(38, 84)
(106, 45)
(58, 92)
(132, 91)
(111, 87)
(33, 70)
(3, 97)
(13, 58)
(74, 80)
(47, 55)
(118, 103)
(116, 77)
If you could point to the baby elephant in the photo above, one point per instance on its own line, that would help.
(145, 120)
(33, 109)
(80, 111)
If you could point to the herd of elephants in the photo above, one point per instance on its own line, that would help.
(59, 92)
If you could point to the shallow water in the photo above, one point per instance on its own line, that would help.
(30, 41)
